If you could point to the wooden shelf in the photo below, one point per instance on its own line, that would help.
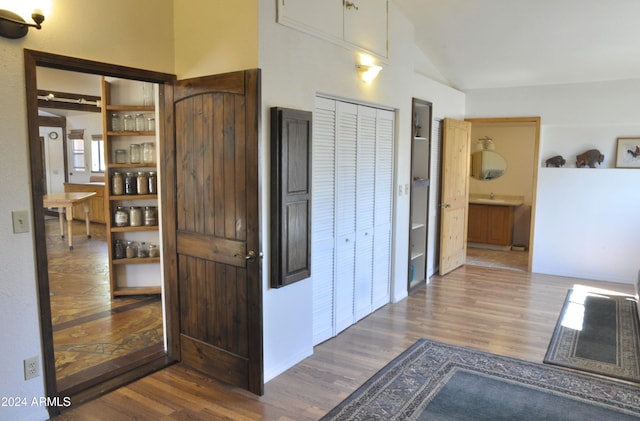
(119, 272)
(420, 183)
(131, 133)
(137, 291)
(113, 107)
(135, 229)
(134, 197)
(131, 166)
(136, 260)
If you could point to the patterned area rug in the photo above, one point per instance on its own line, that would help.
(436, 381)
(598, 334)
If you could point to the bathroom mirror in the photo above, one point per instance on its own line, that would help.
(487, 165)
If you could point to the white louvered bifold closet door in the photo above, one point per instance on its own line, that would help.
(323, 217)
(351, 214)
(365, 202)
(346, 137)
(385, 128)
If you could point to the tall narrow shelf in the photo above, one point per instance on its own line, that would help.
(420, 183)
(128, 275)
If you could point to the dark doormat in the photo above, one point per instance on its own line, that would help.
(436, 381)
(599, 334)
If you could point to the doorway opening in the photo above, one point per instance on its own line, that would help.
(92, 341)
(516, 140)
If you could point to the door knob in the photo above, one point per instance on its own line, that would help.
(445, 205)
(251, 256)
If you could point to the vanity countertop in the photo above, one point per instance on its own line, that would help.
(497, 200)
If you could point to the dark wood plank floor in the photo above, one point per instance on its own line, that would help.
(505, 312)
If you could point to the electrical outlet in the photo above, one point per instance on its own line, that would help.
(31, 368)
(20, 221)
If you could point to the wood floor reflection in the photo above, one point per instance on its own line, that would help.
(94, 335)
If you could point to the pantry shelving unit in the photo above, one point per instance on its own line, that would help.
(132, 275)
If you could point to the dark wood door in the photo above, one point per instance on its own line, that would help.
(217, 226)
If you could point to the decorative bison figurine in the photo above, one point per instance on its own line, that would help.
(556, 161)
(589, 158)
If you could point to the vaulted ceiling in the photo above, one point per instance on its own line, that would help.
(477, 44)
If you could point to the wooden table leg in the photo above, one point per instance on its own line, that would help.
(86, 218)
(69, 212)
(61, 220)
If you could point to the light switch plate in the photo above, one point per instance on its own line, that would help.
(20, 221)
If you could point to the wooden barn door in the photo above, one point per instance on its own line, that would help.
(217, 226)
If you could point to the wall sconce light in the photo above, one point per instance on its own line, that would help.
(368, 72)
(13, 26)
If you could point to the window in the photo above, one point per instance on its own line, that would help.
(76, 138)
(97, 153)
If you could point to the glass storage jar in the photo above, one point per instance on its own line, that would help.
(131, 250)
(128, 123)
(150, 215)
(140, 123)
(121, 156)
(116, 123)
(119, 250)
(153, 182)
(153, 250)
(135, 216)
(142, 183)
(143, 251)
(151, 124)
(121, 217)
(117, 184)
(130, 182)
(134, 153)
(148, 152)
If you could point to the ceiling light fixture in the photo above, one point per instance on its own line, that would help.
(13, 26)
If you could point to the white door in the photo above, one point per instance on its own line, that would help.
(385, 126)
(353, 171)
(365, 202)
(323, 218)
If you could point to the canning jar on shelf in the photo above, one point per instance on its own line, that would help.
(142, 183)
(121, 217)
(148, 152)
(134, 153)
(135, 216)
(130, 182)
(140, 123)
(117, 184)
(128, 123)
(132, 249)
(153, 182)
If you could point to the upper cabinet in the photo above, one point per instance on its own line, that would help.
(360, 23)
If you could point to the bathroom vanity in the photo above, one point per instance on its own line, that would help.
(491, 220)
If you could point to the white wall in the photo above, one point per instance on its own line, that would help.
(105, 31)
(584, 222)
(295, 67)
